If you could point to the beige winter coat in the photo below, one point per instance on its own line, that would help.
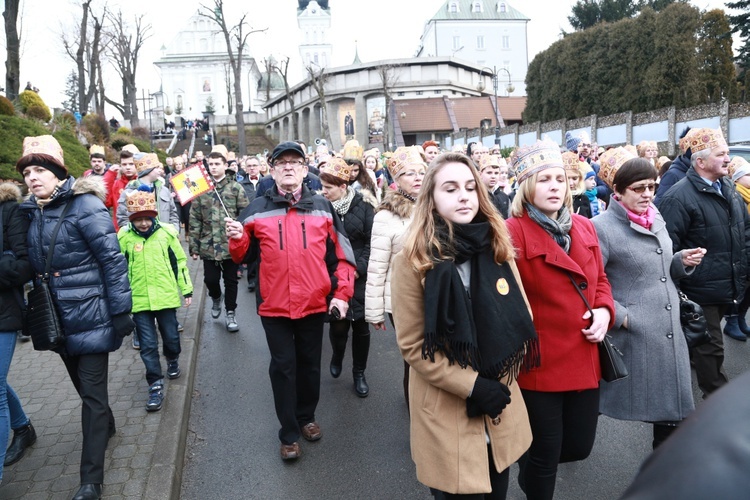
(388, 233)
(449, 448)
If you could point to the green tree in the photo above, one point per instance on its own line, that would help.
(588, 13)
(741, 24)
(71, 92)
(715, 57)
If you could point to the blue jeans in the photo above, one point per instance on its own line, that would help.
(170, 337)
(12, 415)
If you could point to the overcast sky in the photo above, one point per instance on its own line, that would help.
(383, 29)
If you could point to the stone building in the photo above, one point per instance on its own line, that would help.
(314, 21)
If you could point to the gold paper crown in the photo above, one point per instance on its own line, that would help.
(489, 161)
(610, 162)
(96, 150)
(405, 156)
(221, 149)
(352, 150)
(231, 156)
(737, 163)
(146, 162)
(43, 145)
(130, 147)
(372, 152)
(528, 160)
(140, 203)
(705, 138)
(571, 162)
(337, 168)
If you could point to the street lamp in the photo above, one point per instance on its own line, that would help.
(509, 88)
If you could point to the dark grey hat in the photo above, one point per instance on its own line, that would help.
(285, 147)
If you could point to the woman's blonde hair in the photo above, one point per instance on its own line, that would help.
(526, 190)
(422, 238)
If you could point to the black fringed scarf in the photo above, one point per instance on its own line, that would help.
(491, 330)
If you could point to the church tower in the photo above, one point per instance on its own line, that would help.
(314, 21)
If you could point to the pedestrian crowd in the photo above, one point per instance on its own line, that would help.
(501, 278)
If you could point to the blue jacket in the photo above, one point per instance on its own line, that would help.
(672, 176)
(89, 274)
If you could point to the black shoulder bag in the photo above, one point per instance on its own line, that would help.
(693, 322)
(610, 357)
(42, 319)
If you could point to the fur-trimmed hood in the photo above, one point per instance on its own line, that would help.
(9, 192)
(90, 185)
(369, 197)
(397, 203)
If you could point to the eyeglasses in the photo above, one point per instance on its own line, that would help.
(584, 145)
(289, 163)
(642, 189)
(412, 173)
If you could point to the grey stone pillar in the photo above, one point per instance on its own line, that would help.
(672, 131)
(629, 127)
(361, 133)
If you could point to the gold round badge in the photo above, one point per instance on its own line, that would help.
(502, 286)
(138, 247)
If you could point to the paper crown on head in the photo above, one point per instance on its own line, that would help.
(140, 204)
(610, 162)
(403, 157)
(372, 152)
(703, 138)
(231, 156)
(528, 160)
(145, 163)
(338, 168)
(49, 149)
(221, 149)
(95, 149)
(738, 168)
(352, 150)
(494, 161)
(131, 148)
(571, 162)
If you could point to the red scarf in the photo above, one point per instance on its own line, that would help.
(645, 219)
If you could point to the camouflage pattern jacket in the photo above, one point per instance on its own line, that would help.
(208, 237)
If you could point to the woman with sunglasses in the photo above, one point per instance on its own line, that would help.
(640, 266)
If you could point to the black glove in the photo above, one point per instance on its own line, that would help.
(8, 272)
(489, 397)
(123, 324)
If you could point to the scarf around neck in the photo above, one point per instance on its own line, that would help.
(489, 328)
(644, 220)
(559, 229)
(342, 204)
(744, 192)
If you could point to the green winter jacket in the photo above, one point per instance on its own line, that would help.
(208, 236)
(157, 268)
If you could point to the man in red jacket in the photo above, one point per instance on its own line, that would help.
(305, 269)
(115, 180)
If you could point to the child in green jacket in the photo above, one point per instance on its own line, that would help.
(158, 274)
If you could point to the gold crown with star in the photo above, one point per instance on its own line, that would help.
(610, 162)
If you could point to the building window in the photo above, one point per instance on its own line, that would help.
(419, 92)
(501, 7)
(506, 65)
(453, 7)
(506, 42)
(315, 58)
(480, 42)
(456, 42)
(400, 94)
(437, 91)
(477, 7)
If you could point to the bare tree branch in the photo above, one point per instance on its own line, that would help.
(283, 70)
(319, 79)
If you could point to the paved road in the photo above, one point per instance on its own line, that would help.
(232, 448)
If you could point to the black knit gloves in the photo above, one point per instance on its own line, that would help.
(489, 397)
(123, 324)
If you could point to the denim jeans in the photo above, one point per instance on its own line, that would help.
(12, 415)
(170, 337)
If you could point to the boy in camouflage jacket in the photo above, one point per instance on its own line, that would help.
(208, 239)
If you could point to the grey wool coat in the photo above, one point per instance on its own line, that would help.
(642, 270)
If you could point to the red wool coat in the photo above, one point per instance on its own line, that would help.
(569, 361)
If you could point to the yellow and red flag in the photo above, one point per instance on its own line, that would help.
(191, 183)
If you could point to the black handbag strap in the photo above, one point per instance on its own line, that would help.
(580, 292)
(48, 259)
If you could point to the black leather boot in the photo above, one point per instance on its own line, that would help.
(88, 492)
(360, 383)
(338, 344)
(22, 439)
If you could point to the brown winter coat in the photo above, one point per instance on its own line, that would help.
(449, 448)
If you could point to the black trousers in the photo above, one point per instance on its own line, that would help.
(563, 425)
(89, 376)
(338, 332)
(498, 481)
(296, 346)
(213, 272)
(708, 359)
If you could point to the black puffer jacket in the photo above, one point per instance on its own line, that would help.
(697, 216)
(358, 225)
(15, 269)
(672, 176)
(89, 273)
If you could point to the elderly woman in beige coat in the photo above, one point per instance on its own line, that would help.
(407, 166)
(468, 418)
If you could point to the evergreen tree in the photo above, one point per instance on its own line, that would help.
(715, 57)
(741, 24)
(587, 13)
(71, 92)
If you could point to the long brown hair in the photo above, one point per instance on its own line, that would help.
(421, 237)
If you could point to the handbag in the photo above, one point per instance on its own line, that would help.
(693, 322)
(610, 357)
(42, 321)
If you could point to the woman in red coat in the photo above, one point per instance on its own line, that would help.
(554, 246)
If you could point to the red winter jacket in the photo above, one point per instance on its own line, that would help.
(304, 254)
(114, 186)
(569, 361)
